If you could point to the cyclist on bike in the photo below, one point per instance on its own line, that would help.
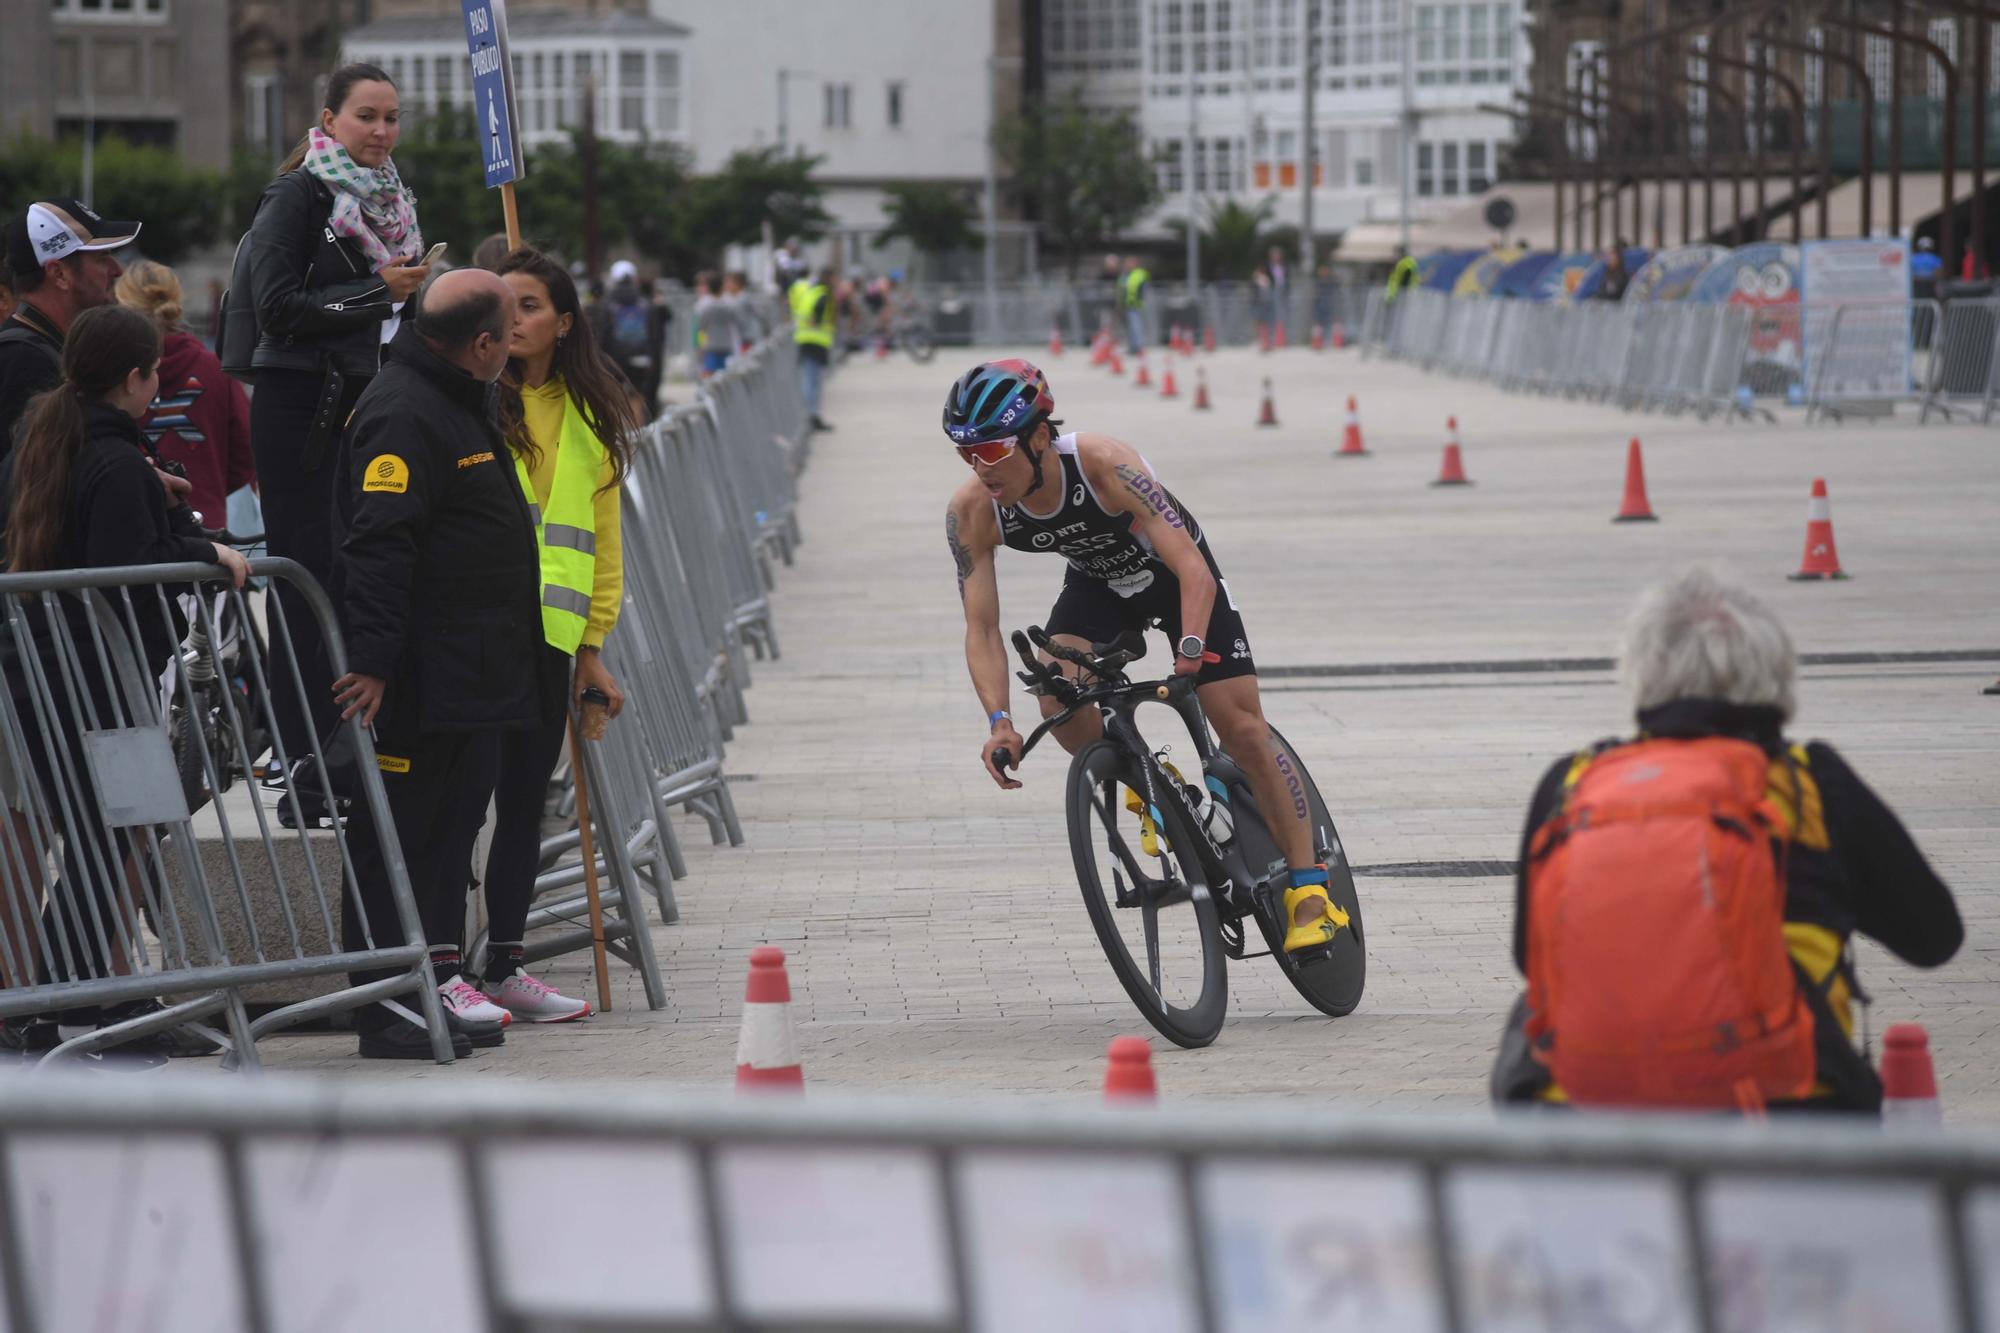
(1135, 556)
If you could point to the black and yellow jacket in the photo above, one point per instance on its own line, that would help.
(1851, 867)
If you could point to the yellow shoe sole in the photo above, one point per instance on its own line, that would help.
(1321, 930)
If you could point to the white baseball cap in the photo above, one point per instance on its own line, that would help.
(57, 228)
(624, 269)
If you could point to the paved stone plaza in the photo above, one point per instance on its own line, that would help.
(936, 937)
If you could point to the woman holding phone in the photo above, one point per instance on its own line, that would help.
(334, 249)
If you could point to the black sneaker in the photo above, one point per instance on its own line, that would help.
(483, 1035)
(182, 1041)
(404, 1040)
(819, 424)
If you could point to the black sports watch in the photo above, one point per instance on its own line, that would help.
(1190, 646)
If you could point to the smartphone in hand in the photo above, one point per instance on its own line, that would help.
(436, 253)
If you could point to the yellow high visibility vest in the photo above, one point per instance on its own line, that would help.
(1402, 276)
(1135, 280)
(566, 529)
(805, 295)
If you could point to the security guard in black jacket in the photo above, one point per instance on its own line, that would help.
(438, 583)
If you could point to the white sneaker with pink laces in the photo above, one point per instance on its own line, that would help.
(461, 997)
(528, 999)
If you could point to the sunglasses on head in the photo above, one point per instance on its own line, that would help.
(990, 452)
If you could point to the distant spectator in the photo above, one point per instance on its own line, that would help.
(789, 265)
(1132, 291)
(1644, 861)
(200, 417)
(714, 324)
(750, 328)
(1281, 291)
(812, 330)
(490, 252)
(1616, 278)
(631, 327)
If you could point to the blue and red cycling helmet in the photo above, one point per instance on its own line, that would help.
(996, 399)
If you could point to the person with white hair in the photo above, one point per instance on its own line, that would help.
(631, 327)
(1685, 900)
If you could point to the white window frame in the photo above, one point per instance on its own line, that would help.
(137, 11)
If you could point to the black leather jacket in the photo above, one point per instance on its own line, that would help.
(318, 300)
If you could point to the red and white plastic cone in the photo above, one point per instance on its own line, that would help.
(1201, 403)
(1319, 338)
(1339, 336)
(1821, 560)
(1055, 340)
(1635, 508)
(1350, 434)
(1144, 379)
(1208, 338)
(1452, 473)
(1128, 1071)
(1267, 414)
(1169, 389)
(767, 1046)
(1909, 1081)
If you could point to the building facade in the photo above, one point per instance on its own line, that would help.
(635, 65)
(143, 70)
(1241, 131)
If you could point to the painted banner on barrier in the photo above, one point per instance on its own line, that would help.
(1764, 280)
(1670, 275)
(1870, 357)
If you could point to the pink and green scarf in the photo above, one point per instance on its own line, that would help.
(372, 206)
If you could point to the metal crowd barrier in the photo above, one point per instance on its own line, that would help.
(1661, 357)
(138, 856)
(201, 1205)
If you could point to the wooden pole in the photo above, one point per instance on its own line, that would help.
(587, 845)
(512, 211)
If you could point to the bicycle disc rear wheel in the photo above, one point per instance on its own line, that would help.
(1151, 910)
(1331, 982)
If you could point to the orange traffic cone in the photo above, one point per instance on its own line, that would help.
(1117, 362)
(1821, 560)
(1055, 340)
(1350, 434)
(1142, 380)
(1263, 337)
(1201, 403)
(767, 1048)
(1339, 336)
(1453, 471)
(1168, 389)
(1635, 509)
(1267, 415)
(1909, 1083)
(1319, 338)
(1100, 348)
(1128, 1071)
(1208, 338)
(1278, 338)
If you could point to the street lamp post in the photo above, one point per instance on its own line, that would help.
(1407, 119)
(992, 204)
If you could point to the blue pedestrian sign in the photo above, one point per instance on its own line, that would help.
(492, 90)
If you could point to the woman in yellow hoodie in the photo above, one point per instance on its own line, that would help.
(568, 421)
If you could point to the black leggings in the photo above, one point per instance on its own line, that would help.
(527, 758)
(298, 522)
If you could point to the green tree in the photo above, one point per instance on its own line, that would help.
(180, 206)
(755, 186)
(1087, 174)
(1235, 237)
(934, 218)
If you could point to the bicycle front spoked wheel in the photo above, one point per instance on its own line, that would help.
(1147, 896)
(919, 343)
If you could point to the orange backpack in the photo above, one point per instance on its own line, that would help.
(1657, 969)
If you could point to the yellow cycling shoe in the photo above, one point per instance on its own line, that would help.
(1322, 929)
(1149, 829)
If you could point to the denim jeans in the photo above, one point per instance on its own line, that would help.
(1135, 329)
(812, 373)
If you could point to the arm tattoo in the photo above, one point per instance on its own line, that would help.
(1148, 492)
(959, 555)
